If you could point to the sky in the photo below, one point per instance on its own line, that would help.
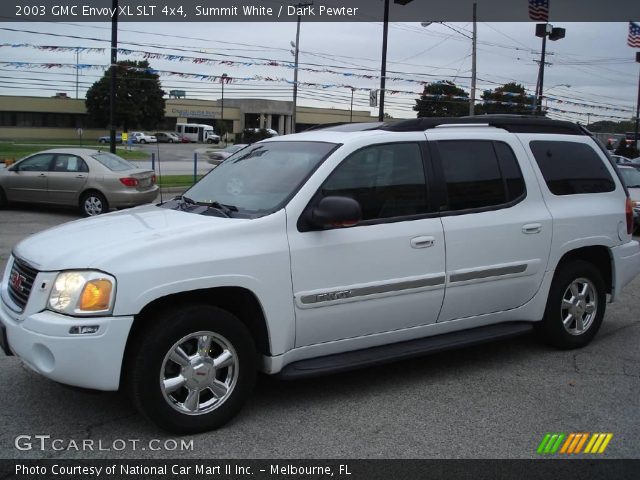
(592, 73)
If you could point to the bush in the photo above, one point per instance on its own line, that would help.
(252, 135)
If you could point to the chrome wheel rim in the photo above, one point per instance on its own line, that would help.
(199, 373)
(579, 306)
(93, 206)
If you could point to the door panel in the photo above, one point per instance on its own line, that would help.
(28, 181)
(387, 272)
(67, 179)
(498, 230)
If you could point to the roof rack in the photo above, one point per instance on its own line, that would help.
(510, 123)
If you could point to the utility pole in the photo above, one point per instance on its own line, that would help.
(637, 132)
(472, 100)
(77, 69)
(295, 70)
(351, 110)
(545, 30)
(114, 72)
(383, 67)
(223, 79)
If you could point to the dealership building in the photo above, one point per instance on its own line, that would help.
(63, 117)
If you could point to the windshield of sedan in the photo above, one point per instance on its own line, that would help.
(113, 162)
(631, 177)
(260, 178)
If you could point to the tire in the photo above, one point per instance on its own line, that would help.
(170, 141)
(209, 141)
(170, 378)
(103, 141)
(143, 141)
(93, 203)
(3, 199)
(575, 307)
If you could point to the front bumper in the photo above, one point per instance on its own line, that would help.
(43, 342)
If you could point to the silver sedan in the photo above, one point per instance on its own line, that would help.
(92, 180)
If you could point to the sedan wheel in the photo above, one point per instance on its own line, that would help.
(93, 203)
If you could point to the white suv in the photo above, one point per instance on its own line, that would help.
(326, 251)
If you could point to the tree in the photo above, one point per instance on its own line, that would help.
(139, 98)
(510, 98)
(442, 99)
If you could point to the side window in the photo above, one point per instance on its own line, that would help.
(69, 163)
(570, 168)
(387, 180)
(479, 174)
(37, 163)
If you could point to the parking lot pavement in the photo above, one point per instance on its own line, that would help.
(491, 401)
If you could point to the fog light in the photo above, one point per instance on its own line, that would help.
(83, 329)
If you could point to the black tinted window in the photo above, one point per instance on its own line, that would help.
(387, 180)
(571, 167)
(479, 173)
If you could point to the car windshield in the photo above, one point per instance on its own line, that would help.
(631, 177)
(260, 178)
(113, 162)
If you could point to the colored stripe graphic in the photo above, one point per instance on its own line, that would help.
(573, 443)
(550, 443)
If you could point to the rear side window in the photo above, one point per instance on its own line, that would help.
(570, 168)
(479, 174)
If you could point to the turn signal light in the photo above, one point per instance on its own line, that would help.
(96, 295)
(129, 182)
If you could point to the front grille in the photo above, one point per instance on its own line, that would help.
(21, 281)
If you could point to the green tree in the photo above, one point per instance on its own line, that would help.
(510, 98)
(442, 99)
(139, 97)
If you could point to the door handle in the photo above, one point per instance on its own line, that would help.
(42, 175)
(80, 176)
(422, 242)
(530, 228)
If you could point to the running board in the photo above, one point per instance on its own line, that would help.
(343, 362)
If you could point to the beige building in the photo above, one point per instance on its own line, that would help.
(61, 117)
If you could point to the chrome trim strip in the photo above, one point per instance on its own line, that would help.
(364, 291)
(490, 272)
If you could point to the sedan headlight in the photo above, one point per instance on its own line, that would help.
(82, 293)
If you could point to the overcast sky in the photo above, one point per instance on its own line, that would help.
(593, 59)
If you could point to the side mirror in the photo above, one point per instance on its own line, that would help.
(336, 212)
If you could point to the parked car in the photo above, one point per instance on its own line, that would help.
(631, 177)
(92, 180)
(218, 156)
(212, 137)
(620, 160)
(107, 138)
(142, 137)
(167, 137)
(327, 251)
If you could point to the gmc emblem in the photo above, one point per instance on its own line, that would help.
(15, 279)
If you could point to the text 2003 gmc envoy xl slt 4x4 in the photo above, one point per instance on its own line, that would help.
(325, 251)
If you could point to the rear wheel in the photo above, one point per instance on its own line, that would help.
(575, 307)
(195, 372)
(142, 140)
(3, 199)
(93, 203)
(102, 140)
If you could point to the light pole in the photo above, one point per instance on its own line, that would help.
(112, 83)
(223, 80)
(637, 132)
(351, 110)
(383, 66)
(296, 53)
(545, 30)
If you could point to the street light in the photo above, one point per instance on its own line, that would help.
(383, 66)
(223, 79)
(545, 30)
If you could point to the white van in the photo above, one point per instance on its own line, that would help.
(195, 132)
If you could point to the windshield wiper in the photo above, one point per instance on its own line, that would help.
(227, 210)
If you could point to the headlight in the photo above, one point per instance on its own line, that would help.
(82, 293)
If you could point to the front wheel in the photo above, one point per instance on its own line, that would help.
(143, 141)
(575, 307)
(196, 370)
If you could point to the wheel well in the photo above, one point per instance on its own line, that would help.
(238, 301)
(596, 255)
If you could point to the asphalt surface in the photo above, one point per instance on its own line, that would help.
(491, 401)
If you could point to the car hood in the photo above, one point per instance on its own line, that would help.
(107, 241)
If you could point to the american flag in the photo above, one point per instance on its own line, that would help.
(633, 40)
(539, 10)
